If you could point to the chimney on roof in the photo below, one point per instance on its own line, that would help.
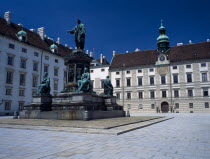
(58, 40)
(86, 51)
(32, 30)
(41, 32)
(179, 44)
(101, 58)
(207, 40)
(66, 45)
(137, 50)
(190, 41)
(126, 51)
(104, 57)
(91, 54)
(7, 17)
(114, 52)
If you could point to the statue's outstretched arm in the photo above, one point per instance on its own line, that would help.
(71, 31)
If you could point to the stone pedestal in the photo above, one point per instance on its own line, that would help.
(73, 106)
(40, 102)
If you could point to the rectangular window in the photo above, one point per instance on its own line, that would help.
(102, 70)
(55, 84)
(21, 104)
(46, 68)
(190, 92)
(21, 92)
(151, 70)
(177, 105)
(117, 83)
(118, 96)
(175, 77)
(152, 106)
(163, 79)
(204, 77)
(10, 60)
(140, 95)
(188, 66)
(128, 95)
(206, 104)
(128, 72)
(102, 83)
(164, 95)
(140, 106)
(176, 93)
(55, 71)
(129, 106)
(22, 63)
(46, 57)
(91, 71)
(9, 78)
(22, 79)
(203, 64)
(205, 92)
(151, 80)
(24, 50)
(139, 81)
(152, 94)
(174, 67)
(128, 82)
(56, 60)
(7, 105)
(36, 54)
(35, 66)
(139, 71)
(11, 46)
(35, 81)
(190, 105)
(189, 77)
(8, 91)
(117, 73)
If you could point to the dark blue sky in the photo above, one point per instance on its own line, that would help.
(120, 25)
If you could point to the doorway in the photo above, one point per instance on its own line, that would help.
(164, 107)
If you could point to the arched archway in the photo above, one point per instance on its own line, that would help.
(164, 107)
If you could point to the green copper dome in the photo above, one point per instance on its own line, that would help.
(21, 33)
(162, 37)
(53, 46)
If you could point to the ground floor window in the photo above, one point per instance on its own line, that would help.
(177, 105)
(190, 105)
(206, 104)
(7, 105)
(152, 106)
(21, 104)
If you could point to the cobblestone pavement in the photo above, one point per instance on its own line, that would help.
(186, 136)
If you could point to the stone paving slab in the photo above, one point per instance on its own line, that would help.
(95, 124)
(112, 131)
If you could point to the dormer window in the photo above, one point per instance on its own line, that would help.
(54, 48)
(22, 36)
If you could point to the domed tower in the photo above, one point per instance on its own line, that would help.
(162, 40)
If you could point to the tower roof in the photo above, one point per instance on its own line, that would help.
(162, 37)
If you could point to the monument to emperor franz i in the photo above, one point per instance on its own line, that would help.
(77, 101)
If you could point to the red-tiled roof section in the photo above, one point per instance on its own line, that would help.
(33, 38)
(149, 57)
